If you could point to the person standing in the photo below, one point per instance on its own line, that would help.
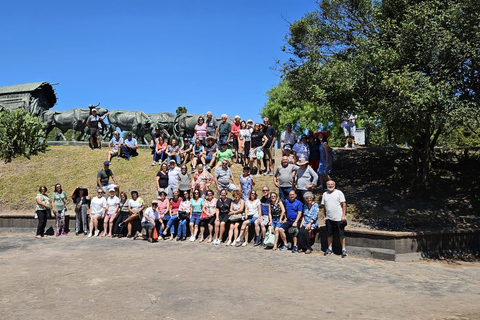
(306, 178)
(334, 211)
(103, 177)
(59, 198)
(81, 198)
(269, 151)
(284, 178)
(212, 126)
(258, 141)
(173, 172)
(93, 122)
(114, 146)
(42, 210)
(235, 134)
(325, 163)
(224, 129)
(349, 128)
(200, 130)
(301, 149)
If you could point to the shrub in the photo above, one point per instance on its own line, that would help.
(21, 134)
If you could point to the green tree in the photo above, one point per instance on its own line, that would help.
(410, 66)
(181, 110)
(21, 134)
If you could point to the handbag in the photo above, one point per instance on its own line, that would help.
(235, 217)
(269, 240)
(182, 215)
(155, 234)
(78, 207)
(204, 216)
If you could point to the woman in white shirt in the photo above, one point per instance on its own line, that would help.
(252, 211)
(97, 211)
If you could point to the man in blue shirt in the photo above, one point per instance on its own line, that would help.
(289, 222)
(130, 146)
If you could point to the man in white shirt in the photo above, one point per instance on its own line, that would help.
(334, 210)
(348, 125)
(288, 137)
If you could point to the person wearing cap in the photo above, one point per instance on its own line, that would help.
(211, 150)
(234, 133)
(81, 198)
(287, 152)
(288, 137)
(212, 126)
(114, 146)
(98, 205)
(289, 222)
(148, 222)
(326, 159)
(301, 149)
(244, 138)
(173, 172)
(269, 150)
(224, 178)
(155, 135)
(200, 130)
(129, 148)
(113, 205)
(224, 153)
(198, 154)
(224, 129)
(186, 150)
(305, 179)
(93, 122)
(309, 223)
(103, 177)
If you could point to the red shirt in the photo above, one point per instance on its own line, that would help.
(236, 127)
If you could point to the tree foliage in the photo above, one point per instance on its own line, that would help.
(181, 110)
(21, 134)
(410, 67)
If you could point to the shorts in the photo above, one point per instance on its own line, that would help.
(264, 220)
(108, 217)
(253, 152)
(269, 153)
(335, 225)
(252, 220)
(147, 225)
(94, 132)
(208, 221)
(235, 144)
(222, 139)
(293, 231)
(275, 223)
(108, 186)
(114, 153)
(195, 218)
(287, 225)
(223, 217)
(208, 158)
(349, 131)
(99, 214)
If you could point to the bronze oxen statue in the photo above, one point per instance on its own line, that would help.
(184, 125)
(75, 119)
(138, 122)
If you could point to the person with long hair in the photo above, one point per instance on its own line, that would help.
(113, 205)
(184, 212)
(198, 154)
(81, 199)
(202, 179)
(122, 215)
(184, 180)
(173, 151)
(160, 149)
(200, 130)
(59, 198)
(277, 209)
(242, 136)
(42, 210)
(174, 206)
(209, 211)
(162, 179)
(136, 205)
(246, 183)
(252, 212)
(195, 213)
(163, 207)
(236, 208)
(222, 214)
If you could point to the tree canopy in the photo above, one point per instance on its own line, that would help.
(410, 66)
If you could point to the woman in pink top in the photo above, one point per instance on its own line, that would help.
(208, 213)
(174, 205)
(163, 212)
(200, 130)
(159, 153)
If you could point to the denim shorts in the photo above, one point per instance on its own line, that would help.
(275, 223)
(252, 220)
(195, 218)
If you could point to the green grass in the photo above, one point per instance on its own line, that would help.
(74, 166)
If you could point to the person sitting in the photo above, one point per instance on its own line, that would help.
(224, 153)
(289, 222)
(309, 223)
(114, 146)
(148, 222)
(155, 135)
(210, 153)
(252, 212)
(135, 206)
(185, 151)
(173, 151)
(160, 149)
(129, 148)
(198, 154)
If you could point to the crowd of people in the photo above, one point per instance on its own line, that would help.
(199, 198)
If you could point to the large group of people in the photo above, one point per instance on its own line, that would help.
(199, 198)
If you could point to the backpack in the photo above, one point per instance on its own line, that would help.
(254, 171)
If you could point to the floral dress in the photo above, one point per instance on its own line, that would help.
(246, 183)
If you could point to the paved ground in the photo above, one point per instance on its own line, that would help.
(123, 279)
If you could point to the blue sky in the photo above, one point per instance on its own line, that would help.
(149, 55)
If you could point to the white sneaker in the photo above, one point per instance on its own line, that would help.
(154, 163)
(229, 242)
(218, 241)
(244, 244)
(346, 146)
(192, 238)
(233, 243)
(89, 235)
(159, 162)
(214, 241)
(97, 232)
(353, 145)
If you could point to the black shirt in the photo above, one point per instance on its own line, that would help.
(163, 179)
(270, 133)
(257, 137)
(224, 207)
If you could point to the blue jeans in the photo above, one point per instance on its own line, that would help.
(158, 156)
(275, 223)
(283, 192)
(182, 228)
(177, 159)
(222, 139)
(171, 224)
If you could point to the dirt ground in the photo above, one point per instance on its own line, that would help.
(98, 278)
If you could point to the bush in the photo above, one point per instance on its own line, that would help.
(21, 134)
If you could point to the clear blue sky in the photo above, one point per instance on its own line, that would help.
(149, 55)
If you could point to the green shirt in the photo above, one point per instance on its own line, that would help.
(104, 176)
(45, 199)
(227, 154)
(59, 200)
